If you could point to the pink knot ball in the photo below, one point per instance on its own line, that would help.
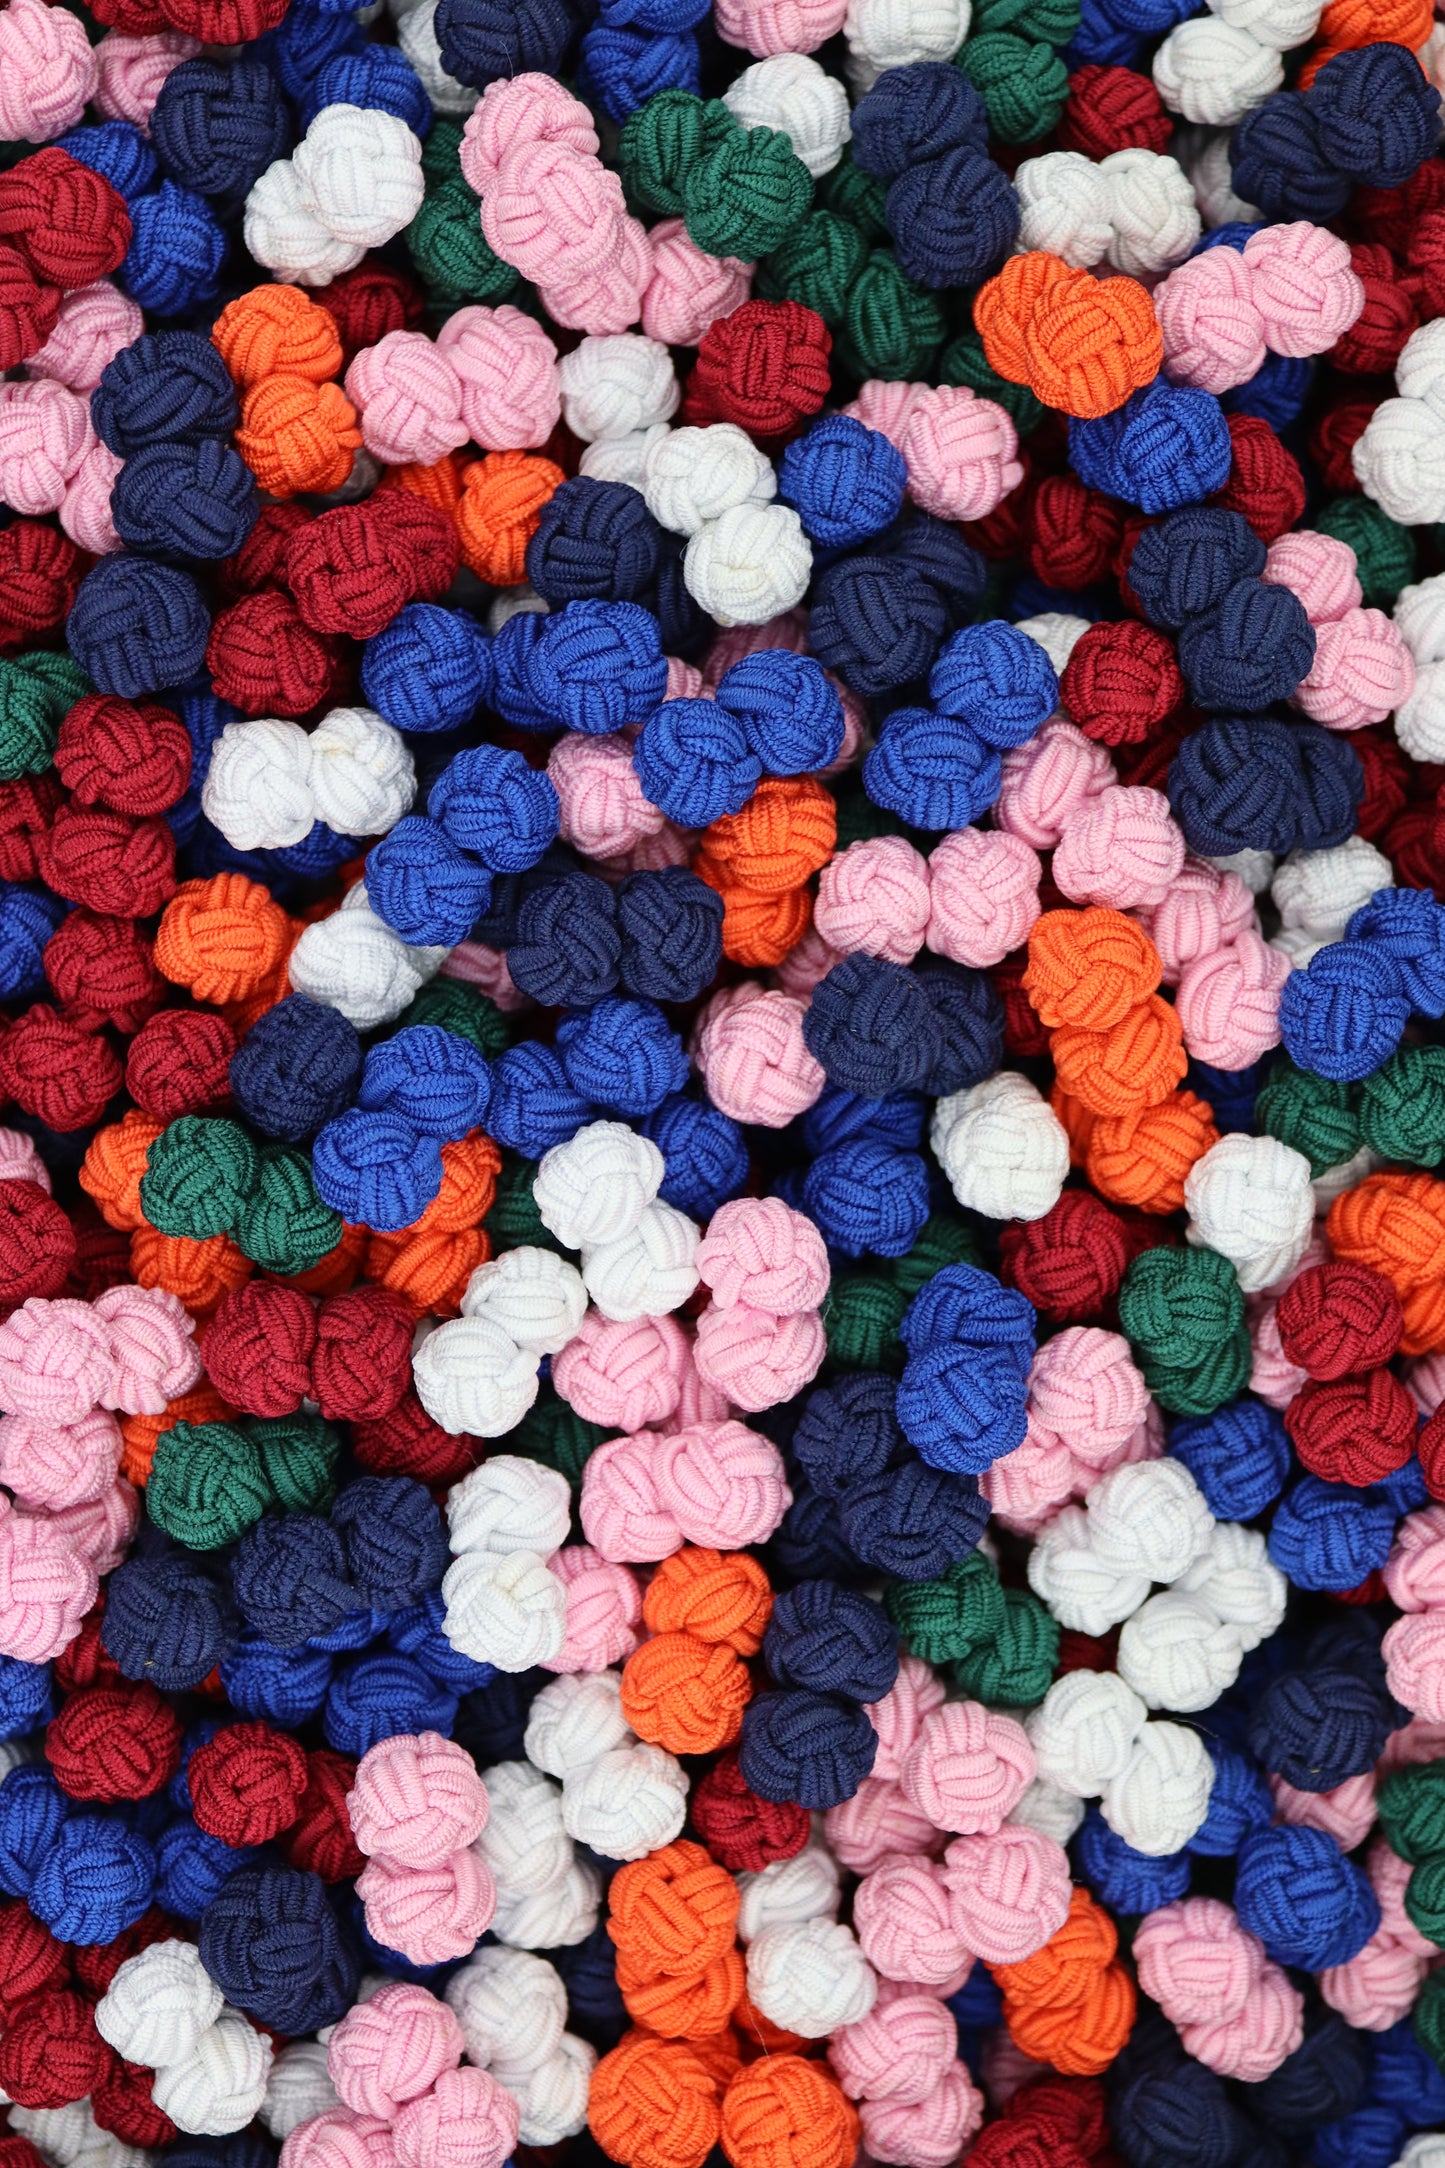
(477, 965)
(416, 1799)
(1322, 572)
(697, 1401)
(887, 406)
(59, 1464)
(1303, 287)
(789, 631)
(1012, 1889)
(100, 1530)
(1361, 673)
(1122, 849)
(1212, 330)
(1024, 1486)
(753, 1058)
(339, 2138)
(684, 681)
(94, 324)
(1228, 1003)
(983, 896)
(45, 433)
(132, 71)
(875, 1823)
(900, 1716)
(927, 2133)
(608, 299)
(874, 898)
(622, 1516)
(433, 1915)
(467, 2120)
(1253, 2043)
(152, 1346)
(409, 398)
(85, 507)
(722, 1484)
(1415, 1568)
(602, 809)
(1048, 783)
(1378, 1986)
(689, 290)
(765, 27)
(516, 110)
(20, 1162)
(1272, 1375)
(968, 1768)
(759, 1251)
(1414, 1652)
(961, 453)
(604, 1606)
(908, 1924)
(757, 1360)
(1346, 1812)
(622, 1376)
(510, 397)
(48, 71)
(1389, 1878)
(807, 963)
(898, 2052)
(1203, 912)
(55, 1359)
(46, 1588)
(554, 213)
(1086, 1386)
(1196, 1961)
(393, 2048)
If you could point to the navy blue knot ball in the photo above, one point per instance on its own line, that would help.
(568, 950)
(827, 1638)
(182, 502)
(391, 1532)
(1251, 783)
(217, 127)
(953, 568)
(848, 1431)
(594, 539)
(1167, 2118)
(877, 621)
(297, 1067)
(952, 219)
(913, 1521)
(813, 1748)
(1323, 2080)
(1251, 650)
(872, 1027)
(916, 113)
(670, 925)
(970, 1014)
(1315, 1728)
(482, 40)
(1379, 118)
(290, 1581)
(275, 1948)
(137, 627)
(1188, 563)
(167, 1621)
(1277, 159)
(845, 481)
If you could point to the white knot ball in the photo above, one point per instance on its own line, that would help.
(1084, 1730)
(885, 34)
(1420, 718)
(1250, 1199)
(1149, 1518)
(510, 1611)
(360, 172)
(512, 2008)
(283, 230)
(509, 1504)
(417, 37)
(792, 93)
(753, 563)
(1161, 1796)
(1049, 1810)
(1320, 891)
(221, 2085)
(534, 1296)
(362, 776)
(693, 476)
(299, 2087)
(788, 1891)
(258, 788)
(810, 1977)
(524, 1844)
(1085, 1593)
(627, 1803)
(1419, 615)
(649, 1272)
(552, 2096)
(614, 387)
(158, 2005)
(1002, 1147)
(555, 1918)
(1057, 632)
(1420, 370)
(1280, 23)
(575, 1720)
(356, 963)
(596, 1187)
(622, 459)
(470, 1377)
(1152, 211)
(1178, 1654)
(1254, 868)
(1064, 207)
(1211, 72)
(1239, 1581)
(1400, 459)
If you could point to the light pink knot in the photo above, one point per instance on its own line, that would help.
(1272, 1375)
(874, 898)
(1426, 1380)
(1268, 2026)
(133, 70)
(765, 27)
(788, 631)
(668, 845)
(753, 1057)
(757, 1360)
(1086, 1386)
(609, 299)
(908, 1924)
(20, 1162)
(99, 1529)
(1212, 329)
(1379, 1985)
(898, 2052)
(409, 398)
(724, 1485)
(1050, 781)
(55, 1359)
(554, 213)
(684, 681)
(45, 433)
(689, 290)
(511, 399)
(984, 896)
(153, 1346)
(1415, 1568)
(1322, 572)
(887, 406)
(417, 1799)
(47, 71)
(622, 1376)
(1361, 673)
(46, 1588)
(1414, 1652)
(1123, 848)
(1303, 287)
(521, 109)
(431, 1914)
(875, 1823)
(697, 1401)
(1389, 1878)
(604, 1605)
(477, 965)
(1024, 1486)
(392, 2049)
(622, 1516)
(1196, 1960)
(602, 808)
(59, 1464)
(927, 2133)
(1346, 1812)
(1203, 911)
(900, 1716)
(961, 453)
(1417, 1740)
(467, 2120)
(85, 508)
(806, 964)
(1228, 1003)
(339, 2138)
(968, 1768)
(758, 1250)
(94, 324)
(1012, 1887)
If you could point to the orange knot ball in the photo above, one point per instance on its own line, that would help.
(277, 331)
(1141, 1159)
(114, 1162)
(787, 831)
(674, 1911)
(1136, 1063)
(783, 2112)
(140, 1434)
(686, 2009)
(1082, 344)
(1089, 968)
(1395, 1223)
(225, 939)
(713, 1595)
(297, 436)
(684, 1694)
(198, 1274)
(654, 2104)
(500, 508)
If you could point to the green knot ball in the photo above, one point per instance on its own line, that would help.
(1385, 549)
(1425, 1898)
(816, 265)
(747, 194)
(284, 1227)
(1411, 1806)
(207, 1484)
(36, 693)
(1024, 84)
(514, 1222)
(861, 1316)
(455, 1006)
(662, 144)
(1311, 1115)
(441, 152)
(892, 327)
(201, 1173)
(556, 1435)
(1183, 1314)
(1051, 22)
(943, 1621)
(1402, 1107)
(298, 1455)
(963, 362)
(1016, 1668)
(941, 1241)
(857, 197)
(450, 252)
